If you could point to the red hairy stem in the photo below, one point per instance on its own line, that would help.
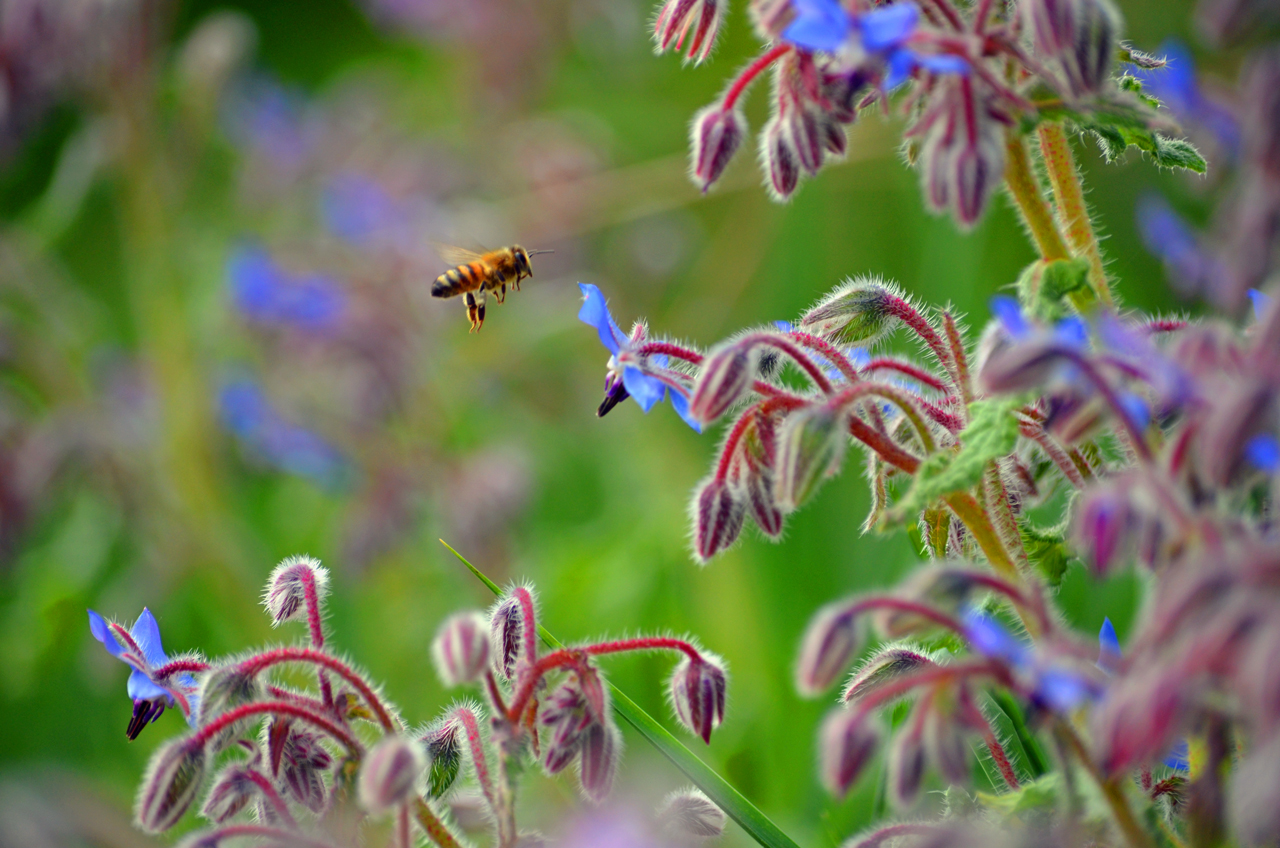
(886, 447)
(177, 667)
(278, 708)
(1055, 453)
(980, 15)
(257, 664)
(958, 356)
(434, 828)
(562, 658)
(644, 643)
(916, 373)
(312, 598)
(495, 694)
(478, 759)
(1001, 760)
(1166, 325)
(752, 71)
(785, 345)
(402, 827)
(928, 676)
(529, 624)
(941, 417)
(744, 423)
(1108, 394)
(282, 694)
(829, 351)
(670, 349)
(903, 605)
(269, 790)
(945, 9)
(899, 399)
(276, 835)
(909, 315)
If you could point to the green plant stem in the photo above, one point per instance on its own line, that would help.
(434, 828)
(1069, 194)
(1111, 791)
(757, 825)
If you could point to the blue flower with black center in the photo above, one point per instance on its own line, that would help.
(141, 650)
(825, 26)
(626, 381)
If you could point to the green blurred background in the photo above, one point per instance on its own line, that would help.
(342, 139)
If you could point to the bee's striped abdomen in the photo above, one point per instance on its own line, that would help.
(458, 280)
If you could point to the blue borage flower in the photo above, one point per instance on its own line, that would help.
(1169, 238)
(1059, 687)
(265, 293)
(825, 26)
(629, 381)
(149, 697)
(1109, 661)
(247, 413)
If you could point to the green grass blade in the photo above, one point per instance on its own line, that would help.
(757, 825)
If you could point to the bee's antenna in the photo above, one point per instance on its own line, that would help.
(536, 252)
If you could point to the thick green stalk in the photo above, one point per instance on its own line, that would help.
(1069, 194)
(757, 825)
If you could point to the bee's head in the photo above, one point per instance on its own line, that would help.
(522, 262)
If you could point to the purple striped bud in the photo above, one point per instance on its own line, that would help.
(699, 20)
(388, 774)
(945, 746)
(697, 689)
(690, 814)
(857, 313)
(717, 135)
(907, 761)
(222, 690)
(1261, 128)
(830, 643)
(847, 742)
(886, 665)
(444, 749)
(1081, 35)
(771, 17)
(761, 503)
(598, 764)
(232, 791)
(834, 138)
(726, 378)
(287, 587)
(172, 780)
(1103, 528)
(781, 160)
(303, 763)
(811, 446)
(461, 648)
(718, 511)
(564, 715)
(962, 158)
(805, 125)
(505, 625)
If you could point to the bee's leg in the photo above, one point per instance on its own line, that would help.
(475, 308)
(502, 293)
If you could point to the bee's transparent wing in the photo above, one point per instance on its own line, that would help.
(454, 255)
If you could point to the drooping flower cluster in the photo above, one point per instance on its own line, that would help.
(284, 765)
(975, 74)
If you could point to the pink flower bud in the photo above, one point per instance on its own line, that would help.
(565, 716)
(805, 126)
(388, 774)
(697, 689)
(601, 745)
(461, 648)
(717, 134)
(857, 313)
(886, 665)
(847, 742)
(907, 762)
(690, 814)
(762, 504)
(963, 155)
(834, 138)
(697, 19)
(1081, 35)
(781, 161)
(945, 745)
(286, 594)
(726, 378)
(771, 17)
(506, 623)
(811, 446)
(222, 690)
(231, 793)
(718, 511)
(303, 764)
(171, 783)
(444, 749)
(829, 645)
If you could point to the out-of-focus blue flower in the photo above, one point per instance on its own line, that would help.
(1008, 312)
(1263, 452)
(268, 118)
(1109, 661)
(246, 412)
(1175, 85)
(1057, 687)
(989, 638)
(1168, 237)
(359, 210)
(1261, 301)
(824, 25)
(266, 293)
(1179, 759)
(631, 382)
(1136, 408)
(149, 698)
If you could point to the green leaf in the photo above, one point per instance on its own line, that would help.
(757, 825)
(1047, 550)
(1044, 286)
(992, 433)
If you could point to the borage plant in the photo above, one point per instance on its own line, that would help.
(284, 765)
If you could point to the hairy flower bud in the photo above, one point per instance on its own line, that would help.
(222, 690)
(444, 749)
(857, 313)
(771, 17)
(690, 814)
(830, 643)
(847, 742)
(232, 791)
(1081, 35)
(888, 664)
(811, 446)
(718, 511)
(598, 764)
(963, 154)
(717, 135)
(461, 648)
(565, 716)
(697, 19)
(389, 772)
(1138, 720)
(303, 763)
(697, 690)
(173, 778)
(726, 377)
(805, 126)
(505, 625)
(939, 587)
(945, 745)
(781, 160)
(289, 584)
(762, 503)
(907, 762)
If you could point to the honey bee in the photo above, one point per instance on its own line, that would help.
(477, 274)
